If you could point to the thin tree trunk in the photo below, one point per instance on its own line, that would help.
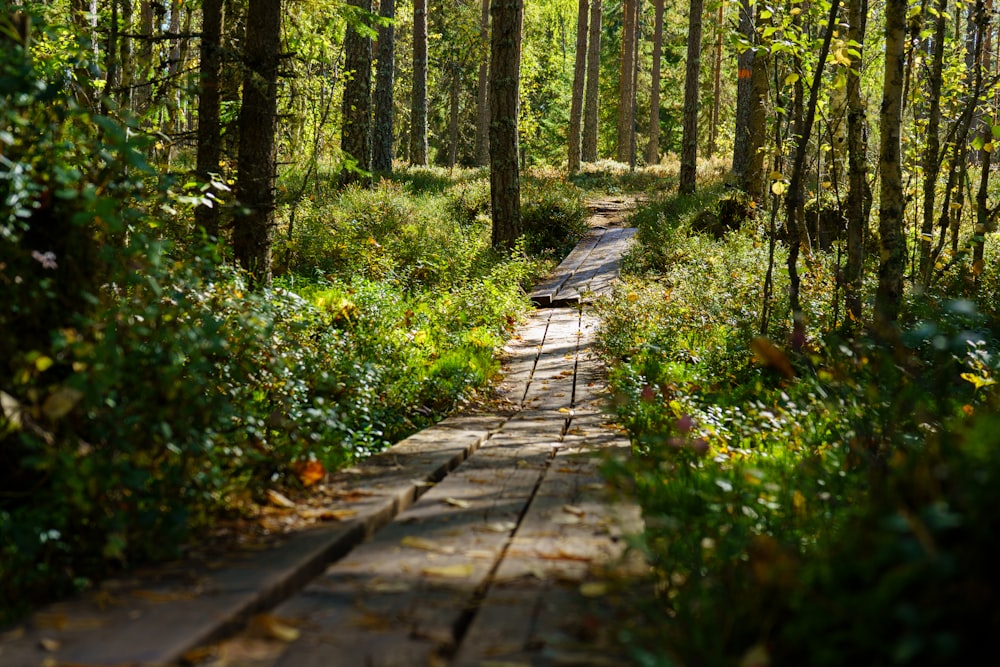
(418, 107)
(209, 105)
(932, 145)
(144, 58)
(713, 136)
(626, 95)
(745, 63)
(751, 180)
(453, 115)
(356, 132)
(125, 58)
(483, 97)
(689, 142)
(859, 193)
(892, 243)
(653, 148)
(505, 74)
(983, 15)
(258, 124)
(794, 197)
(384, 84)
(579, 77)
(592, 93)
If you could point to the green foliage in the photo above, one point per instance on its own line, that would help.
(809, 508)
(553, 216)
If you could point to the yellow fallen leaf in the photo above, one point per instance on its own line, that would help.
(424, 544)
(574, 510)
(593, 589)
(380, 586)
(457, 571)
(457, 502)
(271, 626)
(326, 514)
(49, 645)
(279, 500)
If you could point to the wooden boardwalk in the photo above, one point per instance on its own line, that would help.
(483, 541)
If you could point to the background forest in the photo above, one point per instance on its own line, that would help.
(243, 240)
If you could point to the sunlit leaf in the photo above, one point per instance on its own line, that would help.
(456, 571)
(457, 502)
(278, 499)
(978, 381)
(60, 402)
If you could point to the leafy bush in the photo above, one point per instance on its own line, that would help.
(553, 216)
(816, 508)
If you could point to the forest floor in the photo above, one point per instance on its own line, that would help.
(490, 539)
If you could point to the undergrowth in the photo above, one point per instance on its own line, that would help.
(817, 502)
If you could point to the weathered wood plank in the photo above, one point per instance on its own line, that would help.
(542, 293)
(598, 272)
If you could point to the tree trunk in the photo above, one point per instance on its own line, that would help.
(257, 153)
(713, 136)
(859, 194)
(356, 131)
(144, 59)
(932, 146)
(209, 105)
(892, 243)
(794, 197)
(626, 94)
(483, 97)
(384, 83)
(126, 65)
(505, 72)
(745, 63)
(592, 93)
(689, 142)
(579, 77)
(453, 115)
(752, 176)
(653, 148)
(418, 107)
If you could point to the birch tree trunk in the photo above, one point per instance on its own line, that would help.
(892, 248)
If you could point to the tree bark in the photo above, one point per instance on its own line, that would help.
(653, 147)
(713, 136)
(689, 142)
(257, 152)
(209, 104)
(505, 72)
(579, 78)
(794, 197)
(453, 113)
(384, 84)
(626, 92)
(932, 146)
(356, 131)
(859, 193)
(592, 93)
(889, 293)
(483, 96)
(418, 107)
(745, 63)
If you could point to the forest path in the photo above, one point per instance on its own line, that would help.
(488, 539)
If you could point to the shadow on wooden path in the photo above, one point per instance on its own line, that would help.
(482, 541)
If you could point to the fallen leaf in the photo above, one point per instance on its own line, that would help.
(379, 586)
(593, 589)
(310, 472)
(424, 544)
(457, 571)
(501, 526)
(326, 514)
(12, 635)
(564, 520)
(158, 597)
(49, 645)
(480, 553)
(279, 500)
(574, 510)
(268, 625)
(457, 502)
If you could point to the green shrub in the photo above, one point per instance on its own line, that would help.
(553, 216)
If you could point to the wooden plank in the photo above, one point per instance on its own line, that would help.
(542, 293)
(599, 271)
(155, 622)
(397, 599)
